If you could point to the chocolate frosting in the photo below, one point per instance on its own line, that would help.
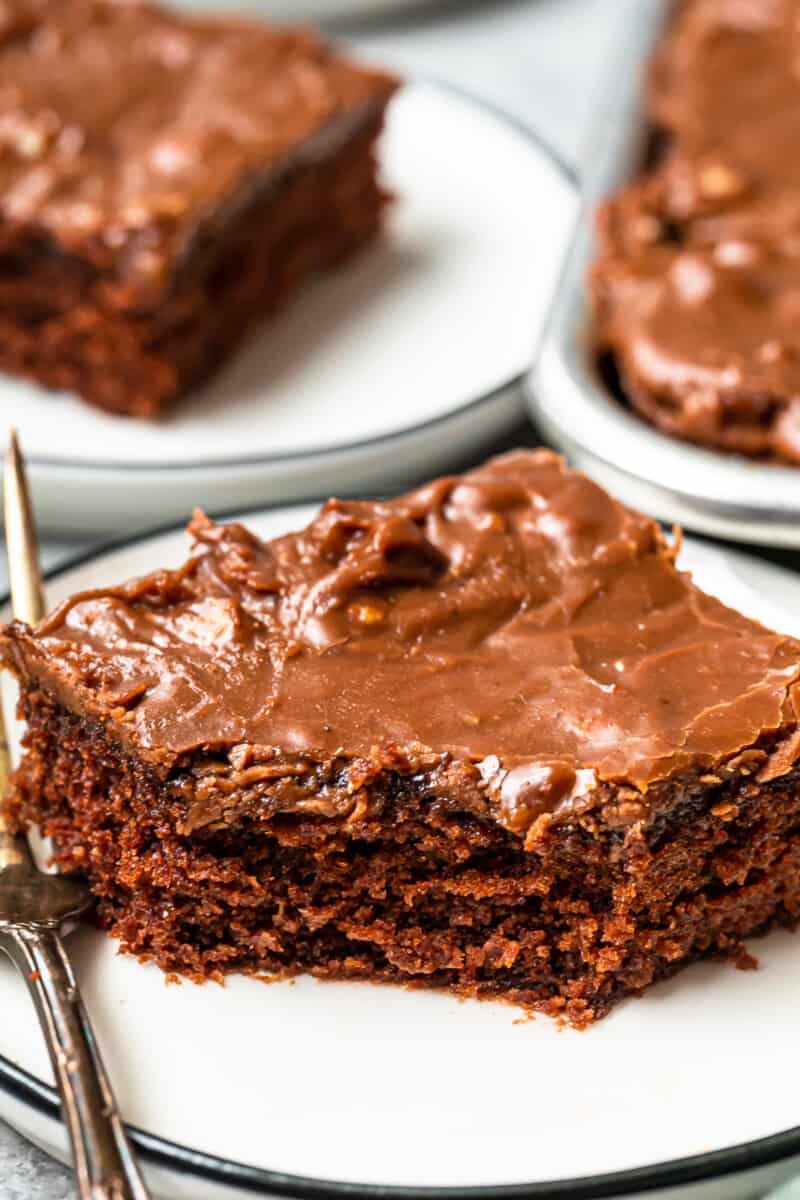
(724, 81)
(697, 286)
(125, 130)
(707, 341)
(515, 618)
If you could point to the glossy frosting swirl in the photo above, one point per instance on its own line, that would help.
(515, 618)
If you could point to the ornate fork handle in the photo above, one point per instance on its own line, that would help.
(104, 1163)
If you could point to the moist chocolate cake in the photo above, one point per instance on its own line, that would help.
(165, 182)
(485, 736)
(697, 282)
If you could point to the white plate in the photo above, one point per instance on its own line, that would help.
(396, 365)
(382, 1087)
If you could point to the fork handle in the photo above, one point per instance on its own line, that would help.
(104, 1162)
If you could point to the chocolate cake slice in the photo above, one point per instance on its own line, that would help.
(484, 737)
(166, 181)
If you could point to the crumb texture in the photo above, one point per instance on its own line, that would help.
(403, 889)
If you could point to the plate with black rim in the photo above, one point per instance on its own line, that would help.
(397, 364)
(327, 1090)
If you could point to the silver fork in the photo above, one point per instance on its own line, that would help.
(34, 908)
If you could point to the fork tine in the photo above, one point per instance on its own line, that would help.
(27, 594)
(12, 847)
(103, 1157)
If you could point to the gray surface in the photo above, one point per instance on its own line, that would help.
(538, 59)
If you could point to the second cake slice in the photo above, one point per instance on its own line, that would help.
(165, 182)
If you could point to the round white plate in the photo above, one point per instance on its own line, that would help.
(381, 1087)
(396, 365)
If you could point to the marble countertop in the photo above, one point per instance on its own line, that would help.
(538, 59)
